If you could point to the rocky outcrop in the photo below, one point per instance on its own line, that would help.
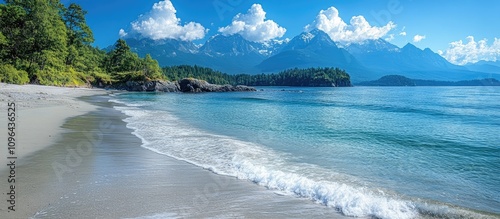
(161, 86)
(191, 85)
(187, 85)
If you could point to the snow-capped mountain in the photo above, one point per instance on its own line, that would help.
(310, 49)
(365, 60)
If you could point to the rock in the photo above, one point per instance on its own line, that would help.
(167, 86)
(191, 85)
(187, 85)
(150, 86)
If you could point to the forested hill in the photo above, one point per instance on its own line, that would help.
(310, 77)
(44, 42)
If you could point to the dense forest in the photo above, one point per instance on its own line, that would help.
(44, 42)
(311, 77)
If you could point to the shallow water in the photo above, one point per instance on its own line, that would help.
(387, 152)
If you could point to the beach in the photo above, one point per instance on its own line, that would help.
(77, 159)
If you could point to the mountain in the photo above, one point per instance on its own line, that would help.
(417, 59)
(371, 46)
(232, 45)
(364, 61)
(310, 49)
(485, 66)
(232, 54)
(384, 58)
(167, 52)
(378, 55)
(382, 55)
(236, 45)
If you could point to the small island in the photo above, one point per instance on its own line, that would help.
(399, 80)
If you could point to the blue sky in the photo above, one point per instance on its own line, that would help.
(441, 22)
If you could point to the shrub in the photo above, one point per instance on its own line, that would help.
(9, 74)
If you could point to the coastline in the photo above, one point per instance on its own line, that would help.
(40, 112)
(94, 166)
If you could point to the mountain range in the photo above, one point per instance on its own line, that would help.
(364, 61)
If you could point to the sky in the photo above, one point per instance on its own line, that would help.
(462, 31)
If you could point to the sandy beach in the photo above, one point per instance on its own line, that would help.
(41, 111)
(77, 159)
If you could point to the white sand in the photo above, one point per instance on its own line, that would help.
(40, 112)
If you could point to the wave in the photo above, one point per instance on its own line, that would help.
(124, 103)
(166, 134)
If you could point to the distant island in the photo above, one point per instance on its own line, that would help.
(399, 80)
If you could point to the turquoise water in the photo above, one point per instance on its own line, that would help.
(385, 152)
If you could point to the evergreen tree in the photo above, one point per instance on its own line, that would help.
(151, 68)
(121, 59)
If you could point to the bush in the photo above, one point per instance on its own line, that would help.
(9, 74)
(50, 76)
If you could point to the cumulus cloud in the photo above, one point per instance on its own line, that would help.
(253, 26)
(162, 23)
(461, 53)
(403, 33)
(357, 31)
(417, 38)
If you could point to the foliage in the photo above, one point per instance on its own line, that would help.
(50, 44)
(310, 77)
(186, 71)
(78, 31)
(150, 68)
(293, 77)
(122, 60)
(9, 74)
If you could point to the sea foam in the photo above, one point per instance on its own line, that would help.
(166, 134)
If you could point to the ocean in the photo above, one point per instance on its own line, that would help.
(382, 152)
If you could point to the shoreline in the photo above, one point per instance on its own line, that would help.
(40, 112)
(96, 167)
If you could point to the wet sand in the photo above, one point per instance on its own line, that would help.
(40, 113)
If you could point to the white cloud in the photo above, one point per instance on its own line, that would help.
(253, 26)
(403, 33)
(472, 51)
(357, 31)
(122, 33)
(417, 38)
(162, 23)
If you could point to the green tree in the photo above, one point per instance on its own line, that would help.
(80, 35)
(3, 45)
(13, 28)
(151, 68)
(79, 32)
(121, 59)
(45, 43)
